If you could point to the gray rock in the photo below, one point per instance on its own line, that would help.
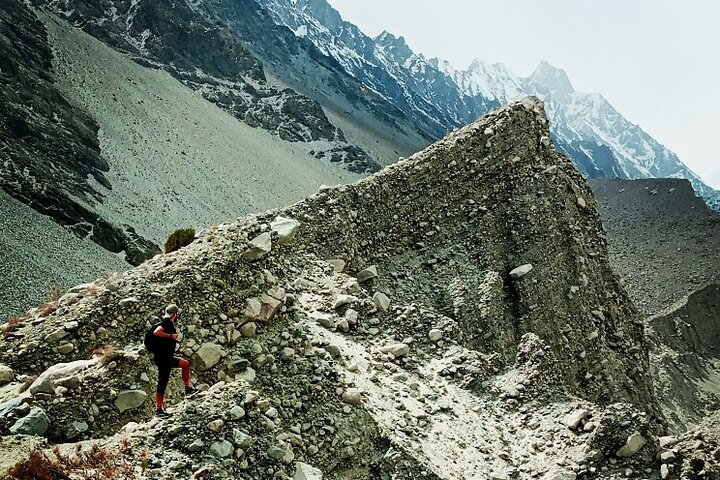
(303, 471)
(71, 383)
(435, 334)
(248, 329)
(130, 399)
(351, 316)
(259, 247)
(667, 441)
(34, 423)
(343, 325)
(222, 449)
(574, 419)
(207, 356)
(633, 445)
(343, 299)
(6, 374)
(10, 406)
(57, 335)
(196, 445)
(521, 271)
(398, 350)
(242, 439)
(352, 396)
(237, 412)
(65, 348)
(286, 228)
(338, 264)
(367, 274)
(381, 301)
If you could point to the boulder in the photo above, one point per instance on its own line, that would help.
(34, 423)
(286, 228)
(259, 247)
(367, 274)
(303, 471)
(207, 356)
(6, 374)
(382, 301)
(521, 271)
(130, 399)
(632, 445)
(222, 449)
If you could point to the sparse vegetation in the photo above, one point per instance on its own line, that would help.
(12, 324)
(179, 238)
(95, 463)
(108, 354)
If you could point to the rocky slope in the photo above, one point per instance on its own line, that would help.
(663, 239)
(413, 335)
(49, 147)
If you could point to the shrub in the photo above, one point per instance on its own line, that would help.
(96, 463)
(179, 238)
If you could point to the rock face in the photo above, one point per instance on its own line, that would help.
(664, 247)
(684, 345)
(332, 380)
(50, 147)
(199, 45)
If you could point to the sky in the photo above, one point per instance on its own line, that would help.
(656, 61)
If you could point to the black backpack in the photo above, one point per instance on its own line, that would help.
(151, 338)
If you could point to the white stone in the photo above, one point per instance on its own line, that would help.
(633, 444)
(343, 299)
(259, 247)
(286, 228)
(520, 271)
(574, 419)
(382, 301)
(303, 471)
(398, 350)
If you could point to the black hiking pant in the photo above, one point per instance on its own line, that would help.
(165, 366)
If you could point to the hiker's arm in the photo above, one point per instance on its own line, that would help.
(161, 333)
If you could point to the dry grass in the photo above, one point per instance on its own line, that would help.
(95, 463)
(12, 324)
(108, 354)
(55, 293)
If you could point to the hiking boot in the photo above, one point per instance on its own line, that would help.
(159, 412)
(190, 390)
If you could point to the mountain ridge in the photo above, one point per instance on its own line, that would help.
(585, 126)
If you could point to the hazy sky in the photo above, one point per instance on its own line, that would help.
(656, 61)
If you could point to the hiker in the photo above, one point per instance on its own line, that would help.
(164, 341)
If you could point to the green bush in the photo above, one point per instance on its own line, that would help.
(179, 238)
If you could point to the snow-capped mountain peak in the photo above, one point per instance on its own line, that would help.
(547, 78)
(397, 47)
